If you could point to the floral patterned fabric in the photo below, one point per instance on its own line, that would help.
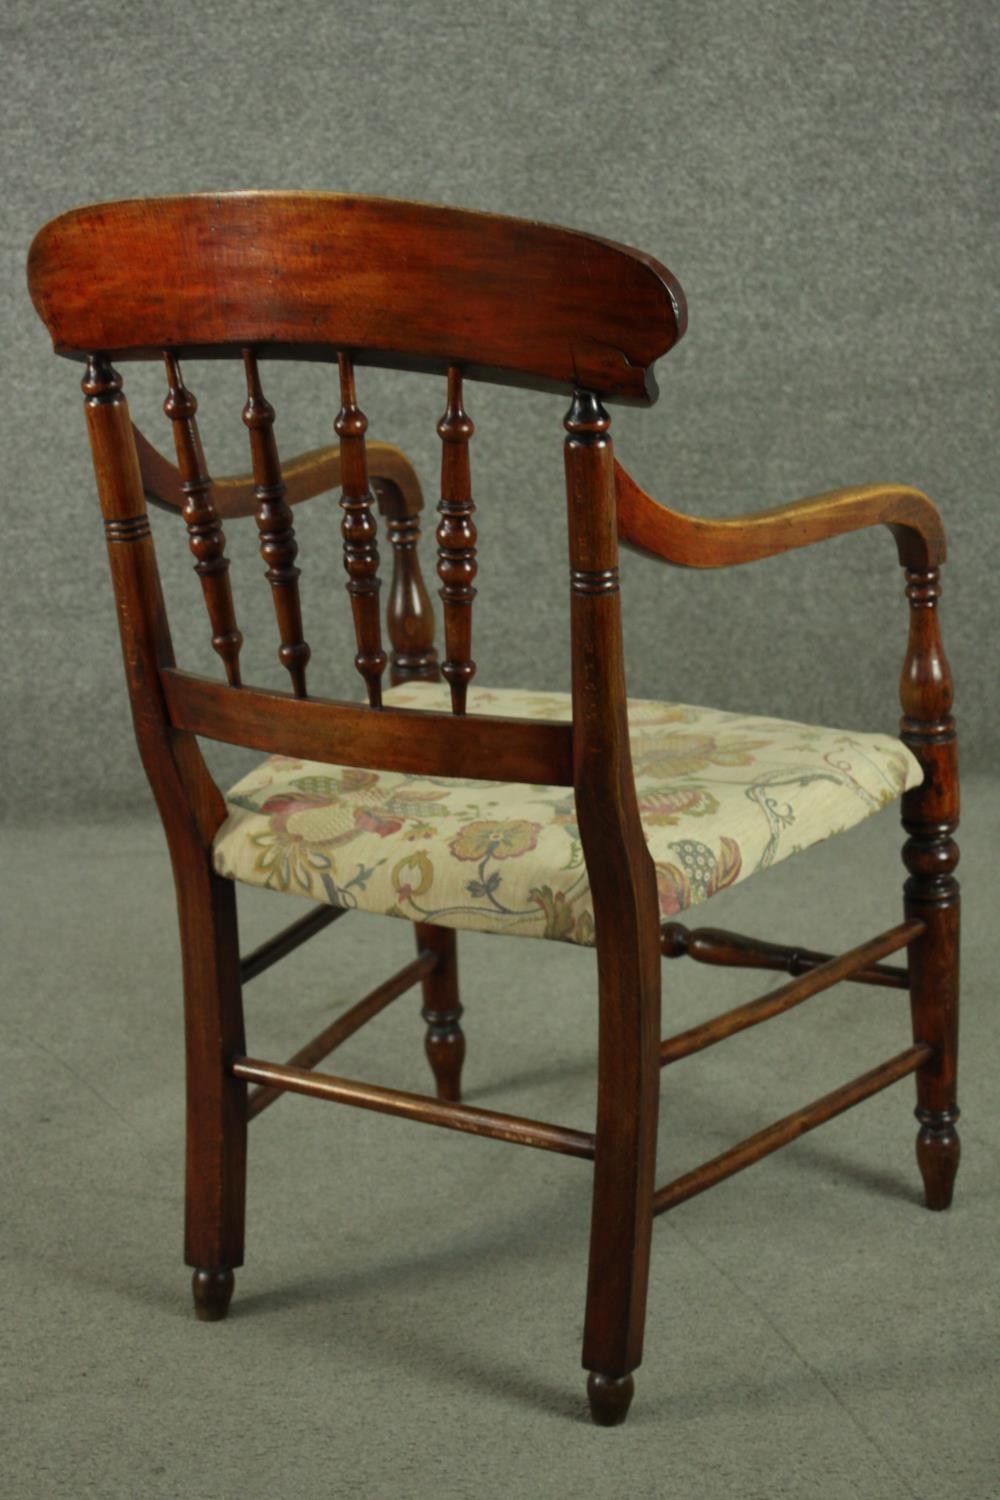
(721, 795)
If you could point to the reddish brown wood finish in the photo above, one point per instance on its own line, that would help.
(421, 1107)
(609, 1398)
(278, 546)
(713, 945)
(626, 911)
(192, 809)
(412, 740)
(368, 281)
(930, 818)
(212, 1292)
(444, 1042)
(786, 996)
(287, 940)
(508, 300)
(358, 530)
(205, 535)
(397, 491)
(790, 1128)
(410, 616)
(456, 538)
(697, 542)
(305, 476)
(346, 1024)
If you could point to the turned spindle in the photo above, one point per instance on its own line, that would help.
(410, 618)
(278, 546)
(456, 539)
(359, 532)
(205, 535)
(930, 818)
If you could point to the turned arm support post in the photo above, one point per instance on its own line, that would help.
(930, 818)
(410, 616)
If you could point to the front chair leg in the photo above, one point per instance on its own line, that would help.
(444, 1042)
(934, 1003)
(216, 1102)
(930, 817)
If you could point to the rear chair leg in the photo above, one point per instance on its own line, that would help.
(930, 817)
(445, 1040)
(624, 1170)
(216, 1102)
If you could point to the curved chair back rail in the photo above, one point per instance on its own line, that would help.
(402, 284)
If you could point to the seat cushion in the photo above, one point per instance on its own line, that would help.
(721, 795)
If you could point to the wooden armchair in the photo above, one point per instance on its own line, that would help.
(586, 819)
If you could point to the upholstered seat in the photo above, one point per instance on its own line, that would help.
(721, 795)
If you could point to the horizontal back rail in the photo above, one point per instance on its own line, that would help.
(412, 741)
(409, 285)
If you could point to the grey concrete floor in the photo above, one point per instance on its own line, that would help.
(409, 1317)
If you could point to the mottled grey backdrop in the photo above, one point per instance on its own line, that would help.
(820, 178)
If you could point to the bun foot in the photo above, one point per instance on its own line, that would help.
(212, 1291)
(609, 1399)
(938, 1153)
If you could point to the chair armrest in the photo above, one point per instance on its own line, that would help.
(696, 542)
(310, 474)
